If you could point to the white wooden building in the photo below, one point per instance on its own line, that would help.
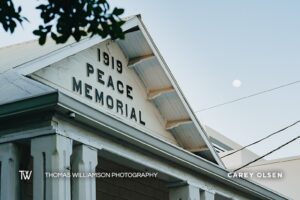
(104, 106)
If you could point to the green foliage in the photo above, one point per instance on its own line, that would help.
(65, 18)
(9, 16)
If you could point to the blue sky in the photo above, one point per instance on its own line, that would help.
(208, 44)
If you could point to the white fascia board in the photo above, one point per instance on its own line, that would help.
(57, 55)
(178, 90)
(132, 22)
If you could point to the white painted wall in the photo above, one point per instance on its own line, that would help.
(289, 184)
(238, 159)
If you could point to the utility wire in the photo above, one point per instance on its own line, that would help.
(274, 133)
(248, 96)
(294, 139)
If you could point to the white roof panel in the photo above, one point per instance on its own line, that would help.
(14, 86)
(135, 45)
(152, 66)
(12, 56)
(171, 107)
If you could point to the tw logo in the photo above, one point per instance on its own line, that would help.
(25, 175)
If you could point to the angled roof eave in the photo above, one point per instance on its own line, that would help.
(55, 56)
(59, 54)
(177, 88)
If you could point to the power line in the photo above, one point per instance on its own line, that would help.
(248, 96)
(294, 139)
(274, 133)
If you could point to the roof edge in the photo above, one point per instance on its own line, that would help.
(29, 104)
(183, 99)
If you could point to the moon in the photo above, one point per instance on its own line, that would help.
(236, 83)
